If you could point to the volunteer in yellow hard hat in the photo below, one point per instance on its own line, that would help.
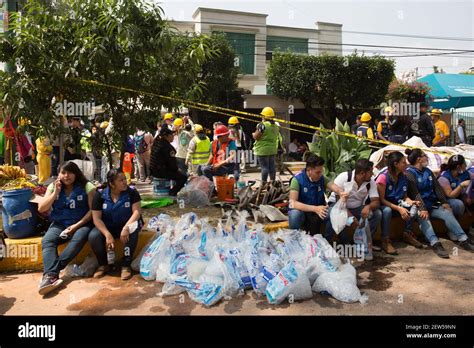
(233, 120)
(266, 144)
(268, 112)
(364, 129)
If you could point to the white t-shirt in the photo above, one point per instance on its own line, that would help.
(357, 195)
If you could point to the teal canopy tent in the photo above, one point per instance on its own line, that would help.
(450, 90)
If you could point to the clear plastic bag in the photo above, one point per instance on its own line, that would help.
(342, 284)
(197, 192)
(152, 257)
(338, 216)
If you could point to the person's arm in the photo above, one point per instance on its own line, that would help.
(450, 193)
(191, 150)
(320, 210)
(430, 126)
(259, 131)
(99, 223)
(136, 213)
(338, 190)
(86, 218)
(379, 132)
(414, 194)
(50, 197)
(439, 191)
(370, 133)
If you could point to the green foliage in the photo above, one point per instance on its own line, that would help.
(333, 84)
(407, 91)
(339, 152)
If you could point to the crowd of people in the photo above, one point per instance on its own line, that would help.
(406, 188)
(427, 126)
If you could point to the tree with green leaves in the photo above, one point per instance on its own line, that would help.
(331, 86)
(56, 45)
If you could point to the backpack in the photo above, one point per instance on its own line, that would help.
(140, 144)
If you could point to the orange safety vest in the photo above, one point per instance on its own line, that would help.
(219, 154)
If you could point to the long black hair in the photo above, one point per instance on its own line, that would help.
(73, 168)
(392, 159)
(112, 174)
(413, 155)
(453, 163)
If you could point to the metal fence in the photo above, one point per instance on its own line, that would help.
(468, 117)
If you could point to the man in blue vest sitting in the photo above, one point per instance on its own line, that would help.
(308, 208)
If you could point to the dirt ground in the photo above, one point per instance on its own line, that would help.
(415, 282)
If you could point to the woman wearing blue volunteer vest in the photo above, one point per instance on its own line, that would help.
(308, 208)
(70, 200)
(423, 187)
(455, 180)
(392, 185)
(115, 209)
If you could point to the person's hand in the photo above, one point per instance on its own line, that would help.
(355, 223)
(424, 214)
(109, 242)
(344, 195)
(446, 206)
(468, 201)
(57, 186)
(365, 212)
(465, 183)
(404, 213)
(409, 201)
(322, 211)
(125, 235)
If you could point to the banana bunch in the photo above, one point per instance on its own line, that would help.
(11, 172)
(17, 184)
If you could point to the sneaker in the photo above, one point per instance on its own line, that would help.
(126, 273)
(440, 250)
(101, 271)
(388, 247)
(466, 245)
(410, 239)
(49, 283)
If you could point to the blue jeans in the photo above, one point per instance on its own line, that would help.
(387, 214)
(52, 263)
(455, 230)
(374, 221)
(457, 206)
(227, 169)
(97, 242)
(310, 222)
(267, 163)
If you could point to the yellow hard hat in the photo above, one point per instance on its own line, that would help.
(268, 112)
(198, 128)
(388, 110)
(233, 120)
(178, 122)
(365, 117)
(168, 116)
(104, 124)
(436, 112)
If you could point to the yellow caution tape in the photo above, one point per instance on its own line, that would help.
(225, 111)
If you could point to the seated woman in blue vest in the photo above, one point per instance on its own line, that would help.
(455, 180)
(423, 187)
(392, 185)
(115, 209)
(70, 200)
(308, 208)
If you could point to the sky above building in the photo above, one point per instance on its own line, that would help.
(429, 27)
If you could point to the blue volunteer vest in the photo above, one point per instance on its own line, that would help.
(455, 182)
(424, 183)
(67, 211)
(115, 215)
(362, 131)
(311, 193)
(395, 191)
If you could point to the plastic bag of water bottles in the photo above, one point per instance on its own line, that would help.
(196, 193)
(291, 280)
(338, 216)
(155, 254)
(160, 222)
(341, 284)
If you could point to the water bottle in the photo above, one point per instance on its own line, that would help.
(111, 257)
(77, 271)
(413, 210)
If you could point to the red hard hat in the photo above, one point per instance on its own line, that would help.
(221, 131)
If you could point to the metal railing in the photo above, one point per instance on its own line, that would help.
(468, 118)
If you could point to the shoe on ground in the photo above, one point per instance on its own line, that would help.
(388, 247)
(466, 246)
(440, 251)
(376, 248)
(49, 283)
(101, 271)
(411, 240)
(126, 273)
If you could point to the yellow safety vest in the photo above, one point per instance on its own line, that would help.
(202, 152)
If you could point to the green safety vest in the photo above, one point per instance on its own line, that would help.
(267, 144)
(202, 152)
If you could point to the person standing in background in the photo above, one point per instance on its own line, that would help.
(441, 129)
(143, 142)
(184, 135)
(199, 149)
(265, 147)
(422, 126)
(45, 149)
(237, 134)
(461, 135)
